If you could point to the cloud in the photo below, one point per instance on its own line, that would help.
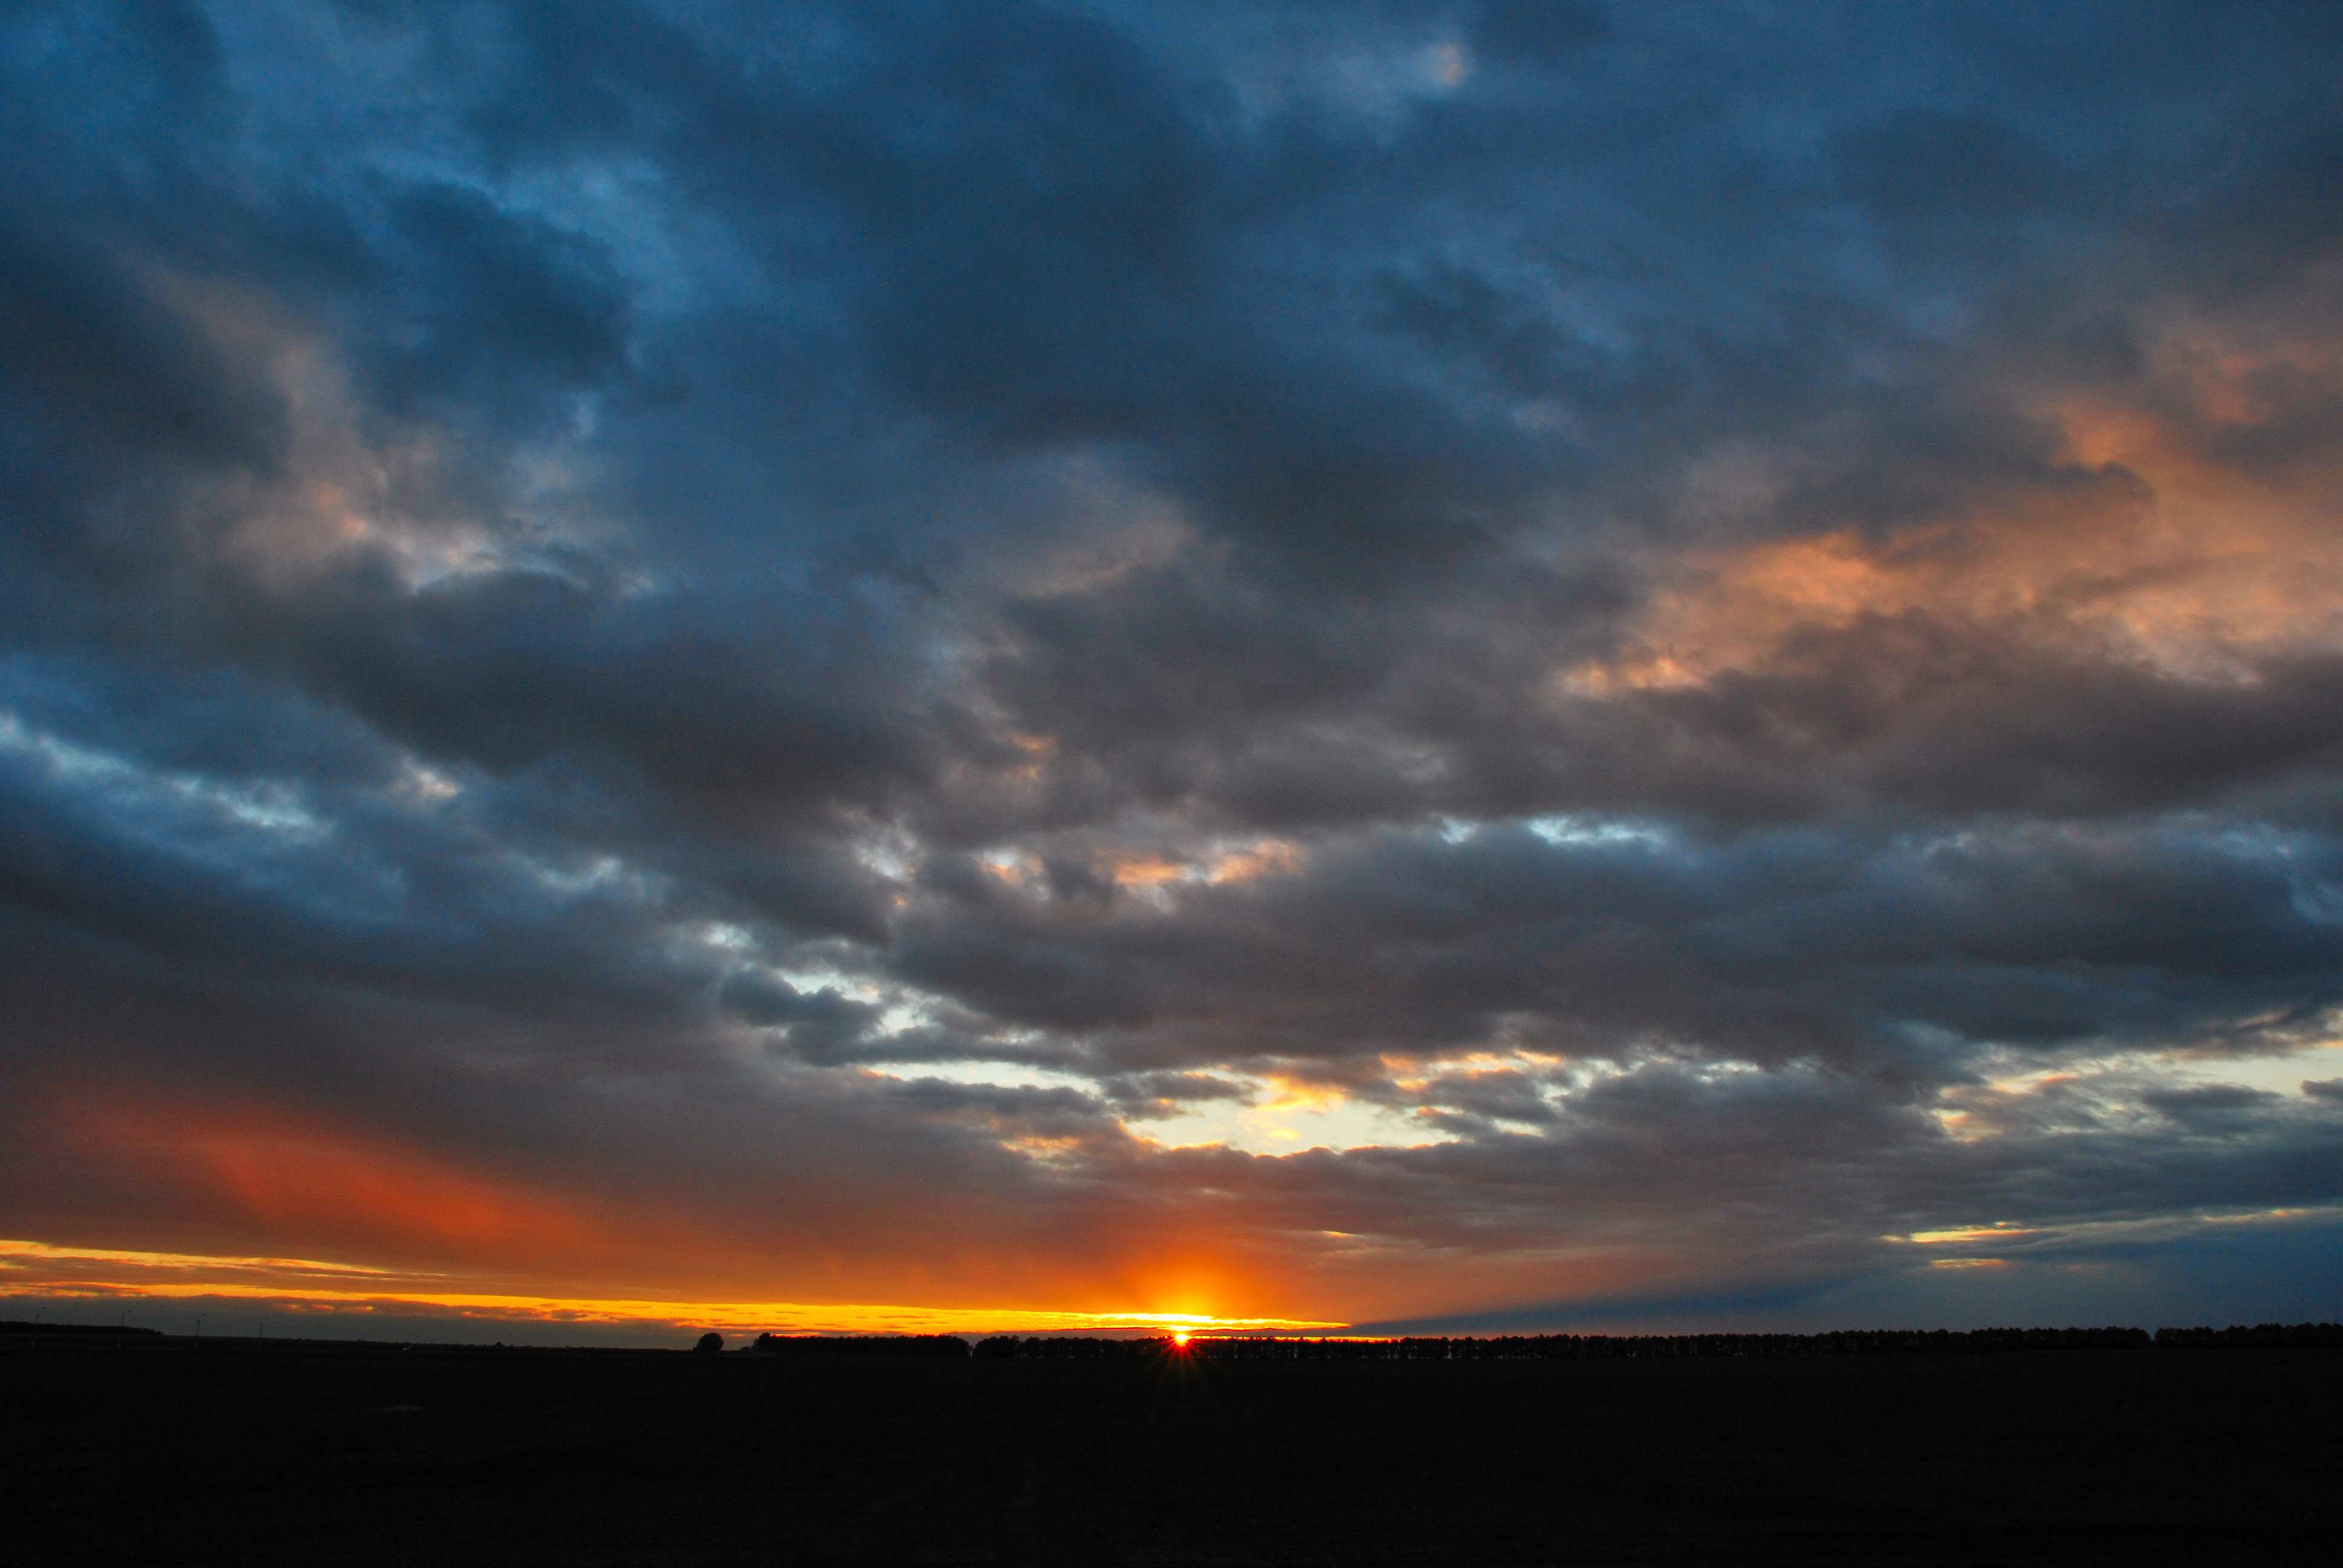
(1635, 649)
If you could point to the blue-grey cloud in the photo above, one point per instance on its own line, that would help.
(1727, 620)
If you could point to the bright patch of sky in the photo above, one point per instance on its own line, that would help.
(2281, 1071)
(1575, 830)
(1283, 1119)
(987, 1075)
(2005, 1237)
(899, 1007)
(2112, 1087)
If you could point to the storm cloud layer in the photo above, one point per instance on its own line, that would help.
(1390, 662)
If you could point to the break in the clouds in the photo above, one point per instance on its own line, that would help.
(1486, 664)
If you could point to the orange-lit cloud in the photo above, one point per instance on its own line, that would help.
(1149, 872)
(1269, 856)
(1235, 863)
(2160, 552)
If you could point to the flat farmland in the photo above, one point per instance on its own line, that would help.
(174, 1451)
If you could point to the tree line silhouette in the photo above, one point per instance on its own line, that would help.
(947, 1345)
(1437, 1348)
(1561, 1347)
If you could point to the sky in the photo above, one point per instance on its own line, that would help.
(1430, 666)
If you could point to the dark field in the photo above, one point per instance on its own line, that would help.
(172, 1452)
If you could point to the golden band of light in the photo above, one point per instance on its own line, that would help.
(778, 1317)
(42, 1252)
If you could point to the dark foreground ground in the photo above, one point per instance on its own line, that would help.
(172, 1452)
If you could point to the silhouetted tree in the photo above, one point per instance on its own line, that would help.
(709, 1344)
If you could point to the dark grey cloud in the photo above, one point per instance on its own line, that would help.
(1898, 953)
(1727, 617)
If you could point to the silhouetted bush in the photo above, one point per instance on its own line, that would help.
(708, 1345)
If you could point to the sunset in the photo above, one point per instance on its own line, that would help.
(1086, 662)
(1173, 672)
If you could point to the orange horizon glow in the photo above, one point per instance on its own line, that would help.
(280, 1207)
(405, 1291)
(288, 1171)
